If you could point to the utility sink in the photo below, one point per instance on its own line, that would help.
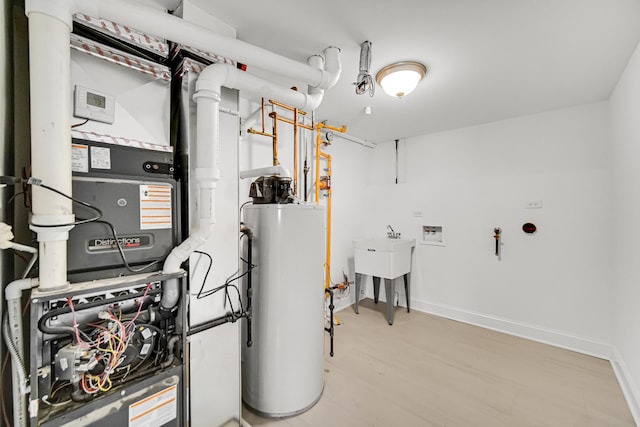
(386, 258)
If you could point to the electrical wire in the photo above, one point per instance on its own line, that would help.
(365, 82)
(13, 351)
(79, 124)
(121, 251)
(2, 371)
(204, 280)
(33, 181)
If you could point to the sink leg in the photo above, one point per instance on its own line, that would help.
(358, 287)
(406, 290)
(390, 290)
(376, 289)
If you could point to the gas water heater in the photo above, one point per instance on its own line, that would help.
(282, 370)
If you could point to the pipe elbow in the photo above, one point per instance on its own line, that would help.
(14, 289)
(62, 10)
(314, 99)
(180, 253)
(211, 80)
(332, 68)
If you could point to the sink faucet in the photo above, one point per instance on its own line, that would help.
(391, 233)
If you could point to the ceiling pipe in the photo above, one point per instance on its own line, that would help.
(50, 22)
(152, 21)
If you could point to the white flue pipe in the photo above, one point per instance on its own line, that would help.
(49, 64)
(255, 88)
(177, 30)
(270, 170)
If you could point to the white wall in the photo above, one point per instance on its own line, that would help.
(625, 126)
(553, 286)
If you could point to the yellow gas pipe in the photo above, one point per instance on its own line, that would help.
(326, 185)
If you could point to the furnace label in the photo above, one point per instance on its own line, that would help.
(155, 410)
(155, 207)
(79, 158)
(100, 158)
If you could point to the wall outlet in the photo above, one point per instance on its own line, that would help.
(533, 204)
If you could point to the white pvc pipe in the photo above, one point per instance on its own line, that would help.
(271, 170)
(13, 295)
(255, 88)
(176, 29)
(49, 63)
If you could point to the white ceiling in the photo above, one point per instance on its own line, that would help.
(487, 60)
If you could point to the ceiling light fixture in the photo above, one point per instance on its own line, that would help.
(401, 78)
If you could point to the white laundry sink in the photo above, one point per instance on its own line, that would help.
(385, 258)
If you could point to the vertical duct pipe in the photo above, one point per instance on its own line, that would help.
(49, 64)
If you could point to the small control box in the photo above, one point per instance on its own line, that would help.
(93, 105)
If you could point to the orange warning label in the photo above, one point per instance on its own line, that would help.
(155, 206)
(155, 410)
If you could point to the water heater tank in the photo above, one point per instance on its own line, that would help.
(282, 372)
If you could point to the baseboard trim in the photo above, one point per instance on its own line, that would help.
(519, 329)
(628, 385)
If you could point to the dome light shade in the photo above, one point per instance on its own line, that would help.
(401, 78)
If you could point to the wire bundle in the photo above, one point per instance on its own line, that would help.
(109, 345)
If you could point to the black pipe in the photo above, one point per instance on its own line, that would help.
(396, 161)
(249, 235)
(330, 329)
(306, 171)
(226, 318)
(84, 306)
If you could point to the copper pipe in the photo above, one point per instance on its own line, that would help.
(257, 132)
(287, 107)
(262, 114)
(274, 116)
(302, 125)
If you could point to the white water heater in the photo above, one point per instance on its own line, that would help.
(282, 371)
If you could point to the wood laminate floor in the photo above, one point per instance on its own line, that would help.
(430, 371)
